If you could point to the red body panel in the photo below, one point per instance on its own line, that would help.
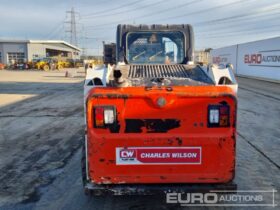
(186, 105)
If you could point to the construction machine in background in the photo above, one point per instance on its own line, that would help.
(75, 63)
(2, 66)
(48, 64)
(91, 63)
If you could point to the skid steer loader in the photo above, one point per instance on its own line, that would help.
(156, 121)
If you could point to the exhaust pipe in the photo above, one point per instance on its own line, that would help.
(118, 79)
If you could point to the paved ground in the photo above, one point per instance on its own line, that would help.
(40, 137)
(40, 129)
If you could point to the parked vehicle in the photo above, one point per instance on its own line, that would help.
(75, 63)
(48, 64)
(155, 121)
(2, 66)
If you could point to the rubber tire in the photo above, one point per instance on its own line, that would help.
(59, 67)
(84, 172)
(88, 192)
(46, 67)
(83, 164)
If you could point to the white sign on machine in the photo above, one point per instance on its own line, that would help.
(158, 155)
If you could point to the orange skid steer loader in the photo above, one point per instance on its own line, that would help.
(155, 121)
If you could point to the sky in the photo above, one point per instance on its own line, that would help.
(216, 23)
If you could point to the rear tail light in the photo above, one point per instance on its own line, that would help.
(99, 116)
(109, 116)
(104, 115)
(214, 116)
(218, 116)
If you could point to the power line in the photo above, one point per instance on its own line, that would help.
(245, 22)
(239, 19)
(135, 9)
(169, 9)
(81, 3)
(226, 37)
(59, 30)
(205, 10)
(54, 30)
(234, 17)
(174, 17)
(239, 32)
(149, 14)
(221, 20)
(108, 10)
(97, 38)
(232, 41)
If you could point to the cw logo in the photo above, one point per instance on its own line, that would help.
(127, 153)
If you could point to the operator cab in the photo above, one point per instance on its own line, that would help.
(155, 47)
(155, 44)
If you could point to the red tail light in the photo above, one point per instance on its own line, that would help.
(218, 116)
(104, 115)
(99, 116)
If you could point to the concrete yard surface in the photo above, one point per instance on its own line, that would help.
(42, 128)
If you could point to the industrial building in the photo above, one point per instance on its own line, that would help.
(26, 50)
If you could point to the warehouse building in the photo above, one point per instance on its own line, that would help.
(26, 50)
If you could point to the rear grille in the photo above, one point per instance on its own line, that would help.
(158, 71)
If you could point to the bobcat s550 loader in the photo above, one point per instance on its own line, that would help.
(155, 121)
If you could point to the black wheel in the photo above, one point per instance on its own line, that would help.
(84, 171)
(88, 192)
(83, 165)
